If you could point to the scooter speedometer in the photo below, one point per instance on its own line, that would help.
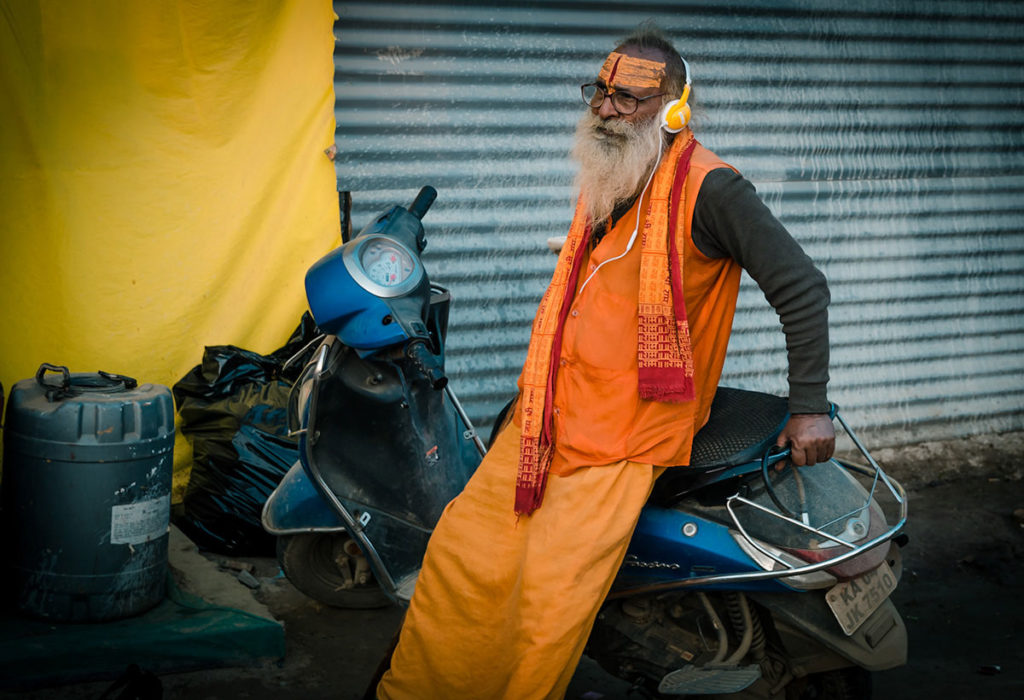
(382, 266)
(386, 263)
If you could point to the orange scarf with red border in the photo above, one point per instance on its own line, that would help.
(664, 353)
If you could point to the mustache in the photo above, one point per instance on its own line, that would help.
(613, 127)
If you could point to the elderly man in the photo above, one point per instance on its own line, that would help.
(623, 362)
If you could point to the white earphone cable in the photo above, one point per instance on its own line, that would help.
(636, 228)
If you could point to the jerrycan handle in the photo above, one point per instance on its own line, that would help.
(107, 381)
(129, 382)
(54, 392)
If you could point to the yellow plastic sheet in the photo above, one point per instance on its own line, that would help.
(163, 180)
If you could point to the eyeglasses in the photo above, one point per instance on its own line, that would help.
(623, 102)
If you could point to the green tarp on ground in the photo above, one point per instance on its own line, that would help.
(181, 633)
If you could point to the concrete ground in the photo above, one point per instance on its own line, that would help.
(962, 597)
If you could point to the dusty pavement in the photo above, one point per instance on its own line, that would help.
(962, 597)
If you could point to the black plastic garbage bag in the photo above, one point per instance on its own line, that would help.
(233, 411)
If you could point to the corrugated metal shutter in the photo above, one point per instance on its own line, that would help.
(886, 135)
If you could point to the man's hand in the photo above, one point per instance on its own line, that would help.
(810, 436)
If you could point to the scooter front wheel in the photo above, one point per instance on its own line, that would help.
(328, 567)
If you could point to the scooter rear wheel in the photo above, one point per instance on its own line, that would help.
(328, 567)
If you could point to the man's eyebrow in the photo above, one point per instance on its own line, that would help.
(613, 88)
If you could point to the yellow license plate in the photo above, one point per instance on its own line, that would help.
(852, 602)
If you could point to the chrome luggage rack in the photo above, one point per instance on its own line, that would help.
(785, 569)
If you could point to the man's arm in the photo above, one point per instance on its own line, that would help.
(730, 220)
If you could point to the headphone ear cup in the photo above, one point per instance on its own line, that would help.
(684, 113)
(675, 115)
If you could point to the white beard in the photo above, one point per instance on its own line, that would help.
(616, 157)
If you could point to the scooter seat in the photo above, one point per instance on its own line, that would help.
(741, 428)
(742, 425)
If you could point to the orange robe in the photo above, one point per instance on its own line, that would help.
(504, 605)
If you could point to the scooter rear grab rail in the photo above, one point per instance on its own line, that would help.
(875, 471)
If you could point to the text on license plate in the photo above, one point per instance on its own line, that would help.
(853, 601)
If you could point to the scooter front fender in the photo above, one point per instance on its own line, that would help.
(296, 507)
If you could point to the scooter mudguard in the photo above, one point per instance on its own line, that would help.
(296, 506)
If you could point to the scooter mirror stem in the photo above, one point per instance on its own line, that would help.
(423, 200)
(418, 208)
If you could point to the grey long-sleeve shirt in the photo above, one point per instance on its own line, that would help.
(730, 220)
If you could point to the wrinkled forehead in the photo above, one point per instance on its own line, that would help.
(624, 71)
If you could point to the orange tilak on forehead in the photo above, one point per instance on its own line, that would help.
(629, 71)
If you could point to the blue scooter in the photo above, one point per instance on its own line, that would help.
(745, 575)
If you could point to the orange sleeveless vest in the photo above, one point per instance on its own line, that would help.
(599, 417)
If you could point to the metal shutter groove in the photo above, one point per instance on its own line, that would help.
(886, 135)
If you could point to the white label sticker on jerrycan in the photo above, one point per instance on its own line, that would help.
(136, 523)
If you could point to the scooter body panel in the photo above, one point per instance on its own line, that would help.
(880, 643)
(379, 309)
(672, 545)
(392, 452)
(382, 438)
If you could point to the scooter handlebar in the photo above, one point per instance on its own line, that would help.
(423, 200)
(426, 363)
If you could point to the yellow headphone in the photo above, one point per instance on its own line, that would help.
(675, 115)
